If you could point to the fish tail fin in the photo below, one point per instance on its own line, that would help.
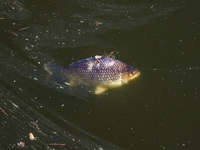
(51, 68)
(56, 72)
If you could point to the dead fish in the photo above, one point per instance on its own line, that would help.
(99, 72)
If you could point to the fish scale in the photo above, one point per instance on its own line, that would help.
(98, 70)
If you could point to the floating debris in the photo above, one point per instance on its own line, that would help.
(21, 144)
(31, 136)
(67, 83)
(23, 28)
(15, 105)
(98, 57)
(35, 79)
(3, 111)
(97, 23)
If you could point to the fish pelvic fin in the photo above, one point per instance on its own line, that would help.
(74, 83)
(100, 89)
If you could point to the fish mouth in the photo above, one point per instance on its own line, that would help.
(136, 74)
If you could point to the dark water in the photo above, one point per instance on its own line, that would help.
(158, 110)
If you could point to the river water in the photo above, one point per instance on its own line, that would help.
(158, 110)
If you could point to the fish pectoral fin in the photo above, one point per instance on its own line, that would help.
(100, 89)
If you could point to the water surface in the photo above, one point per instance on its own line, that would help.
(158, 110)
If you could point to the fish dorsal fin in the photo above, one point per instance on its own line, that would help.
(100, 89)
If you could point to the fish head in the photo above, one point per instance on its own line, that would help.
(129, 73)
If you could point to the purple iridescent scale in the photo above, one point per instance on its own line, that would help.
(101, 71)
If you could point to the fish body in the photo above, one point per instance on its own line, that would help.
(99, 72)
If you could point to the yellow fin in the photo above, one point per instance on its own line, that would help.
(100, 89)
(73, 83)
